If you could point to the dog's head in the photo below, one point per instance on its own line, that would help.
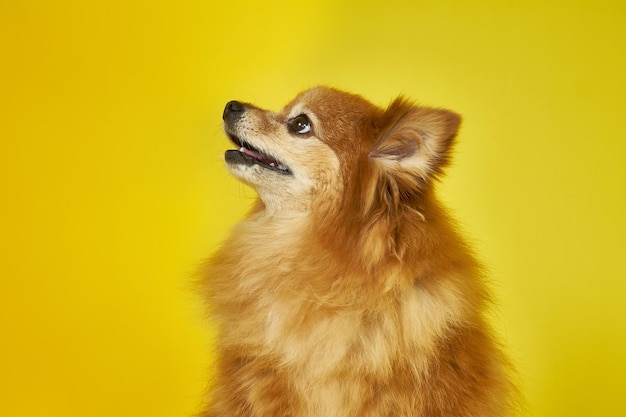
(328, 148)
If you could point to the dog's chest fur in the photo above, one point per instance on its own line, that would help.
(329, 341)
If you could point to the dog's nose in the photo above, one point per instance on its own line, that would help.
(233, 108)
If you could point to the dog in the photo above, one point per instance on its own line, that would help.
(348, 291)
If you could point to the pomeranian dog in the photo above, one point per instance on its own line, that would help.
(347, 291)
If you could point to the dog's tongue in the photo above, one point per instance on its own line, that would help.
(257, 155)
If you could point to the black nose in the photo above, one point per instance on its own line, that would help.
(233, 108)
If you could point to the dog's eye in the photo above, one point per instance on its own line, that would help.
(300, 124)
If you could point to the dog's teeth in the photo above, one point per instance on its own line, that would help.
(241, 149)
(273, 164)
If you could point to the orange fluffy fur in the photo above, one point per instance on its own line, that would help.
(348, 291)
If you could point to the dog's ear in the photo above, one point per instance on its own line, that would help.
(415, 139)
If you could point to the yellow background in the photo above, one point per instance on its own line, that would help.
(113, 190)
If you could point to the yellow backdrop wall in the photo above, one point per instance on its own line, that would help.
(113, 189)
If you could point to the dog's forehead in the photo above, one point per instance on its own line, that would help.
(309, 100)
(326, 100)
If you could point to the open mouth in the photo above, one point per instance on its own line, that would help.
(248, 155)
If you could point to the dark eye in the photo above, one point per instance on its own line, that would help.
(300, 124)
